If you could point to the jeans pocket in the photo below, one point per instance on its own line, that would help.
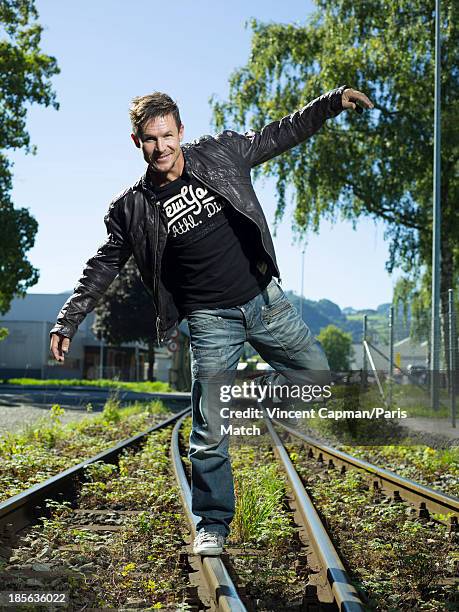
(274, 310)
(207, 363)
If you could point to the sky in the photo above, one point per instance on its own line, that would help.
(110, 51)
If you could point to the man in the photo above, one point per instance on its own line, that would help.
(205, 253)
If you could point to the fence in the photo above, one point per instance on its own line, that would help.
(398, 350)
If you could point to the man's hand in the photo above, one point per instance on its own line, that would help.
(349, 97)
(59, 346)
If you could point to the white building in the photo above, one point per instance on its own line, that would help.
(25, 352)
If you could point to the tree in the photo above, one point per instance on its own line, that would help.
(26, 73)
(415, 296)
(337, 346)
(125, 312)
(378, 164)
(4, 331)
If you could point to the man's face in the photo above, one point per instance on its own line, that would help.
(160, 143)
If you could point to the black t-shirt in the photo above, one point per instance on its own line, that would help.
(213, 256)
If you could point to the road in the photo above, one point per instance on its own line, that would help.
(77, 398)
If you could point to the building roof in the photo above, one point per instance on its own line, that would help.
(36, 307)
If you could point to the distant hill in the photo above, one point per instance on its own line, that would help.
(324, 312)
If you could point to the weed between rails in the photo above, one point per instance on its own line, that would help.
(438, 468)
(139, 565)
(263, 544)
(48, 447)
(400, 562)
(260, 490)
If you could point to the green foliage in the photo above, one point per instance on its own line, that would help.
(3, 333)
(26, 73)
(47, 447)
(377, 164)
(54, 526)
(141, 387)
(259, 516)
(438, 468)
(337, 346)
(349, 428)
(111, 412)
(48, 430)
(413, 293)
(398, 562)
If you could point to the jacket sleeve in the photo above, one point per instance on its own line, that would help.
(98, 274)
(279, 136)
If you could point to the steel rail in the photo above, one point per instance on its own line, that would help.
(218, 580)
(25, 508)
(403, 488)
(344, 593)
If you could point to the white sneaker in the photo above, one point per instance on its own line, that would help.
(208, 543)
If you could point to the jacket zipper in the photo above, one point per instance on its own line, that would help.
(243, 213)
(155, 277)
(155, 283)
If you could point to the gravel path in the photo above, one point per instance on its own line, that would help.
(15, 418)
(432, 432)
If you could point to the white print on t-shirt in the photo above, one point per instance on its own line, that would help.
(182, 209)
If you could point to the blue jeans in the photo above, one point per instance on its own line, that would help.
(271, 324)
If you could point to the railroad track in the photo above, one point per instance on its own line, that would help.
(329, 586)
(425, 499)
(332, 579)
(223, 593)
(24, 509)
(220, 592)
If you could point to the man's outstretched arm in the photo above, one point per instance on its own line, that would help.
(279, 136)
(98, 274)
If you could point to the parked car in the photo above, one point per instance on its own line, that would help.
(418, 373)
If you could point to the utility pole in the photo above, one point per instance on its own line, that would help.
(391, 354)
(436, 235)
(452, 354)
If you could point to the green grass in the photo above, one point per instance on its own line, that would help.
(260, 518)
(400, 562)
(260, 490)
(48, 447)
(433, 467)
(141, 387)
(416, 401)
(142, 559)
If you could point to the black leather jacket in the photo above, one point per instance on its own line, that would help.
(223, 163)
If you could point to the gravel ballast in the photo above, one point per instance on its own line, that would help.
(15, 418)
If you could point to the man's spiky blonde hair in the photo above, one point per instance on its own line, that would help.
(152, 105)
